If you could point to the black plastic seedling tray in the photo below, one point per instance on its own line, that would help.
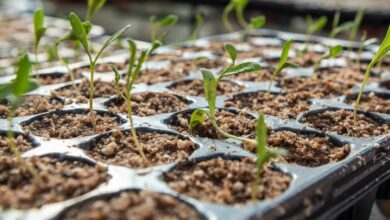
(322, 192)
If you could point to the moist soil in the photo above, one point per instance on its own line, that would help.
(21, 143)
(314, 88)
(149, 103)
(341, 122)
(305, 149)
(50, 79)
(224, 181)
(144, 205)
(100, 68)
(102, 89)
(371, 102)
(237, 124)
(153, 76)
(347, 75)
(63, 179)
(307, 59)
(195, 87)
(284, 106)
(258, 76)
(159, 148)
(32, 104)
(165, 57)
(64, 125)
(194, 65)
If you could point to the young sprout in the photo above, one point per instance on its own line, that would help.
(239, 7)
(131, 76)
(165, 22)
(210, 88)
(199, 19)
(356, 24)
(282, 64)
(93, 7)
(364, 42)
(263, 153)
(384, 48)
(333, 52)
(81, 35)
(313, 27)
(336, 28)
(39, 31)
(13, 92)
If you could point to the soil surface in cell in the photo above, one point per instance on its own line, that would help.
(195, 87)
(159, 148)
(21, 143)
(62, 180)
(49, 79)
(285, 106)
(149, 103)
(307, 59)
(238, 124)
(258, 76)
(347, 75)
(133, 205)
(226, 181)
(100, 68)
(305, 149)
(166, 74)
(196, 64)
(341, 122)
(32, 104)
(371, 102)
(66, 125)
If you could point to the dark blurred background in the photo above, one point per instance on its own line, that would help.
(281, 14)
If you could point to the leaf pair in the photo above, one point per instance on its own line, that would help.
(39, 28)
(315, 25)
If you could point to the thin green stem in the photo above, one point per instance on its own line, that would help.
(225, 18)
(91, 92)
(241, 19)
(366, 75)
(242, 139)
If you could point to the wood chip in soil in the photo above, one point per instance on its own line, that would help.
(195, 87)
(63, 180)
(21, 143)
(224, 181)
(305, 149)
(371, 102)
(159, 148)
(238, 124)
(284, 106)
(64, 125)
(341, 122)
(32, 104)
(143, 205)
(149, 103)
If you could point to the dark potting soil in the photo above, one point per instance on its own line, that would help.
(143, 205)
(285, 106)
(153, 76)
(49, 79)
(63, 179)
(307, 59)
(226, 181)
(195, 87)
(149, 103)
(194, 65)
(371, 102)
(305, 149)
(258, 76)
(159, 148)
(32, 104)
(100, 68)
(70, 125)
(21, 143)
(347, 75)
(341, 122)
(238, 124)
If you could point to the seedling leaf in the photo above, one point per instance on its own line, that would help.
(257, 22)
(93, 7)
(168, 21)
(335, 51)
(317, 25)
(117, 76)
(39, 28)
(113, 37)
(79, 31)
(22, 82)
(261, 140)
(241, 68)
(210, 89)
(197, 117)
(232, 51)
(356, 23)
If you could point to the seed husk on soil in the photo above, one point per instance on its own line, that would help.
(133, 205)
(226, 181)
(63, 179)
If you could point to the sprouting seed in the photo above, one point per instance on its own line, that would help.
(333, 52)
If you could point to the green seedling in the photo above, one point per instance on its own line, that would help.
(93, 7)
(356, 25)
(131, 76)
(336, 28)
(364, 42)
(282, 64)
(210, 88)
(263, 153)
(81, 35)
(380, 54)
(333, 52)
(13, 92)
(313, 26)
(199, 20)
(39, 31)
(168, 21)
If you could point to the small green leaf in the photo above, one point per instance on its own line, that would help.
(197, 117)
(309, 20)
(241, 68)
(39, 28)
(336, 19)
(284, 55)
(261, 140)
(289, 65)
(232, 51)
(21, 83)
(156, 44)
(153, 19)
(335, 51)
(168, 21)
(357, 21)
(210, 89)
(132, 50)
(117, 76)
(342, 28)
(93, 7)
(110, 40)
(79, 31)
(317, 25)
(258, 22)
(5, 90)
